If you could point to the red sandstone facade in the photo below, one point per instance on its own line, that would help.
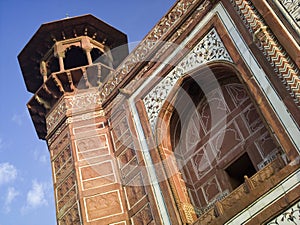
(199, 124)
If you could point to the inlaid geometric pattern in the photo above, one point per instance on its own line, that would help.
(273, 51)
(144, 216)
(92, 147)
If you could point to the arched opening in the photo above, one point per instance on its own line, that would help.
(101, 57)
(217, 136)
(75, 57)
(53, 65)
(96, 54)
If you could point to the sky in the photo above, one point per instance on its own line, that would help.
(26, 191)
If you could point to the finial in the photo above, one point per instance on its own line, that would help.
(67, 15)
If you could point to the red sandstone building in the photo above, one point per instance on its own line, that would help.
(199, 124)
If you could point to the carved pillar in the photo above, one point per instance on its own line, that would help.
(61, 57)
(171, 165)
(59, 52)
(88, 55)
(43, 70)
(87, 47)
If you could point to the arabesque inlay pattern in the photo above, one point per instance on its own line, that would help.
(290, 216)
(210, 48)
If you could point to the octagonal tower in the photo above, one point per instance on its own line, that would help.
(63, 65)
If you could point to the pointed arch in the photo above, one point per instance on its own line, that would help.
(207, 126)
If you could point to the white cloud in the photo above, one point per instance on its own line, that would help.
(18, 118)
(8, 173)
(36, 196)
(43, 159)
(40, 156)
(12, 193)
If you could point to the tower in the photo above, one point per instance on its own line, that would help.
(199, 124)
(63, 65)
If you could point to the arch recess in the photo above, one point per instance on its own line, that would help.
(202, 146)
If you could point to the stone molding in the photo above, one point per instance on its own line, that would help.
(265, 40)
(77, 103)
(149, 43)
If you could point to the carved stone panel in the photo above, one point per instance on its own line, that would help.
(63, 164)
(103, 206)
(211, 189)
(123, 142)
(88, 148)
(131, 168)
(97, 175)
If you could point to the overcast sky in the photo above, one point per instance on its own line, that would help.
(26, 193)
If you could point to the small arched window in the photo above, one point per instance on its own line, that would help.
(53, 65)
(96, 54)
(100, 57)
(75, 57)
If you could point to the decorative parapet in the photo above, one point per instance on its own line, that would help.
(210, 48)
(201, 211)
(283, 66)
(52, 100)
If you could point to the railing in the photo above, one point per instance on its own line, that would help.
(84, 76)
(58, 83)
(235, 197)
